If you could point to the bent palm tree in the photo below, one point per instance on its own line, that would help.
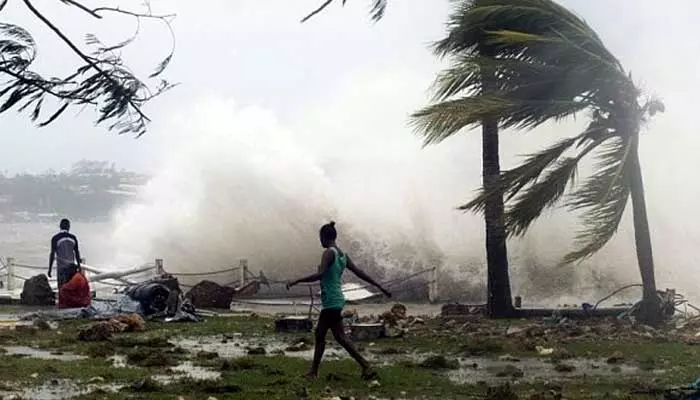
(548, 64)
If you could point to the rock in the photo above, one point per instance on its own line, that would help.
(544, 351)
(616, 358)
(257, 351)
(504, 392)
(508, 358)
(393, 332)
(34, 375)
(361, 332)
(145, 385)
(439, 362)
(293, 325)
(45, 325)
(509, 371)
(564, 368)
(514, 330)
(374, 384)
(301, 345)
(208, 294)
(37, 292)
(134, 322)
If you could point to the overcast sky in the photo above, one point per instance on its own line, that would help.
(256, 52)
(340, 85)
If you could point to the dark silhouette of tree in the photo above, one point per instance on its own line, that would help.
(549, 64)
(102, 80)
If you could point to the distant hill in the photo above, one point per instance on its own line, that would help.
(90, 190)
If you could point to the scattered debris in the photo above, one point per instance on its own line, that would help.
(616, 358)
(503, 392)
(208, 294)
(367, 331)
(509, 371)
(100, 331)
(564, 368)
(301, 345)
(293, 325)
(439, 362)
(134, 322)
(37, 292)
(145, 385)
(508, 358)
(544, 351)
(257, 351)
(456, 309)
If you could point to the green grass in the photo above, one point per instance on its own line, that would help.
(280, 377)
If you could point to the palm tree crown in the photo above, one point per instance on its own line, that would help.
(546, 64)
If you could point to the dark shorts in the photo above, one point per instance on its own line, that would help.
(330, 316)
(64, 273)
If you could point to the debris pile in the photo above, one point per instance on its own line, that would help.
(37, 292)
(208, 294)
(104, 330)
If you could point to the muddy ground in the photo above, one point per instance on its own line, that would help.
(240, 356)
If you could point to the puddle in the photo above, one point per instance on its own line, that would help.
(238, 347)
(188, 370)
(42, 354)
(534, 369)
(59, 390)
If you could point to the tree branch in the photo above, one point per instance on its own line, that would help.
(95, 12)
(316, 11)
(38, 84)
(77, 51)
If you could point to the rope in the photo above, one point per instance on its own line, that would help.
(204, 273)
(34, 267)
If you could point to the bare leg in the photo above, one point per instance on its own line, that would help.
(320, 348)
(339, 335)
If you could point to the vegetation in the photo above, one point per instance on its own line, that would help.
(102, 80)
(549, 64)
(422, 370)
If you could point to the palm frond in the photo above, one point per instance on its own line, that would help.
(378, 9)
(603, 198)
(527, 175)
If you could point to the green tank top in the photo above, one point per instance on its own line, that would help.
(331, 288)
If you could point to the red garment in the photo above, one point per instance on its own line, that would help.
(74, 293)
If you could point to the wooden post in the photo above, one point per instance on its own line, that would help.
(11, 274)
(433, 285)
(159, 267)
(243, 270)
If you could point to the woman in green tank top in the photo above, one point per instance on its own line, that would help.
(333, 263)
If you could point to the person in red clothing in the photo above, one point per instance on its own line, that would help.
(76, 292)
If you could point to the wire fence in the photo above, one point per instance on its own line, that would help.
(8, 268)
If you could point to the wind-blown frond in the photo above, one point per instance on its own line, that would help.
(378, 9)
(603, 198)
(528, 174)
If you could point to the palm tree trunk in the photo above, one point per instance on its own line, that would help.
(499, 302)
(650, 308)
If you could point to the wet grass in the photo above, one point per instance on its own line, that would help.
(270, 377)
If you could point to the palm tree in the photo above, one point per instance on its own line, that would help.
(549, 64)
